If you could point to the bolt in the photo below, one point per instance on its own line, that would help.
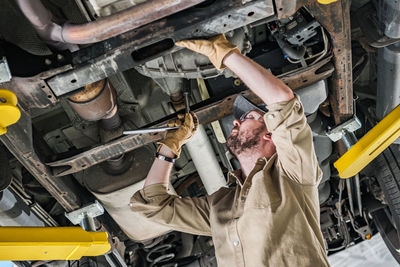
(47, 61)
(60, 57)
(230, 34)
(237, 82)
(300, 19)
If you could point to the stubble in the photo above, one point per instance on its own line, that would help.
(239, 143)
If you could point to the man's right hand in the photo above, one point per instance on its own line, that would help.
(215, 48)
(175, 139)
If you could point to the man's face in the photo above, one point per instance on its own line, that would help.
(249, 134)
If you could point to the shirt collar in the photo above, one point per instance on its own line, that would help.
(236, 175)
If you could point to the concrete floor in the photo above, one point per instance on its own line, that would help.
(372, 252)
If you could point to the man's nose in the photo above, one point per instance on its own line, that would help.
(236, 123)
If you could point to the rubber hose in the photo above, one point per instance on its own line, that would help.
(296, 53)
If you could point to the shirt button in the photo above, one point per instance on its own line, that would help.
(271, 116)
(236, 243)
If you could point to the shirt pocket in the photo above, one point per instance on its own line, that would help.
(263, 193)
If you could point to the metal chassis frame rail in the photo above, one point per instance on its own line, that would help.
(46, 87)
(206, 114)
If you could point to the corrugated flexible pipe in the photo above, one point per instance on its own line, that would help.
(103, 28)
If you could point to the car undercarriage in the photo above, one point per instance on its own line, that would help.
(86, 70)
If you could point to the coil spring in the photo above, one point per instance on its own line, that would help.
(160, 253)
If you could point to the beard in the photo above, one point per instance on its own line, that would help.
(239, 143)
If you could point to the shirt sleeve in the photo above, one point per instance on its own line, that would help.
(189, 215)
(293, 139)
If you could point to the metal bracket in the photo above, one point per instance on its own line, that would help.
(114, 259)
(5, 73)
(339, 131)
(364, 231)
(84, 216)
(302, 33)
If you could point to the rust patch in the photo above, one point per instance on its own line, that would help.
(335, 18)
(309, 75)
(33, 92)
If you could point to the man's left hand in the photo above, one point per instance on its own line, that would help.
(216, 48)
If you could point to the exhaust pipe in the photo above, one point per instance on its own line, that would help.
(205, 161)
(103, 28)
(199, 146)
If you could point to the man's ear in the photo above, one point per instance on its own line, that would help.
(267, 137)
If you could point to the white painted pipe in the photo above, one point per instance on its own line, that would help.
(205, 161)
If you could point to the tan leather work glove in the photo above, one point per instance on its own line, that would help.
(215, 48)
(175, 139)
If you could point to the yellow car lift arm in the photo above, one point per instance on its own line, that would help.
(56, 243)
(370, 146)
(9, 112)
(50, 243)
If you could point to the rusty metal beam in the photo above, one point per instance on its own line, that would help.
(33, 92)
(335, 18)
(306, 76)
(206, 114)
(102, 60)
(19, 141)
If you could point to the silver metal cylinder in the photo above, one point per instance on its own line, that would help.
(206, 161)
(87, 224)
(389, 17)
(14, 212)
(349, 139)
(388, 91)
(358, 194)
(95, 102)
(353, 185)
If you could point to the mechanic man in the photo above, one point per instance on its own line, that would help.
(271, 216)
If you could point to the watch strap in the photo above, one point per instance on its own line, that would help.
(165, 158)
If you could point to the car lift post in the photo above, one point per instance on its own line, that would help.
(361, 153)
(345, 133)
(47, 243)
(54, 243)
(85, 218)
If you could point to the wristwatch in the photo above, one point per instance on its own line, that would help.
(172, 160)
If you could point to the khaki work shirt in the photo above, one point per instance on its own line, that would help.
(272, 219)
